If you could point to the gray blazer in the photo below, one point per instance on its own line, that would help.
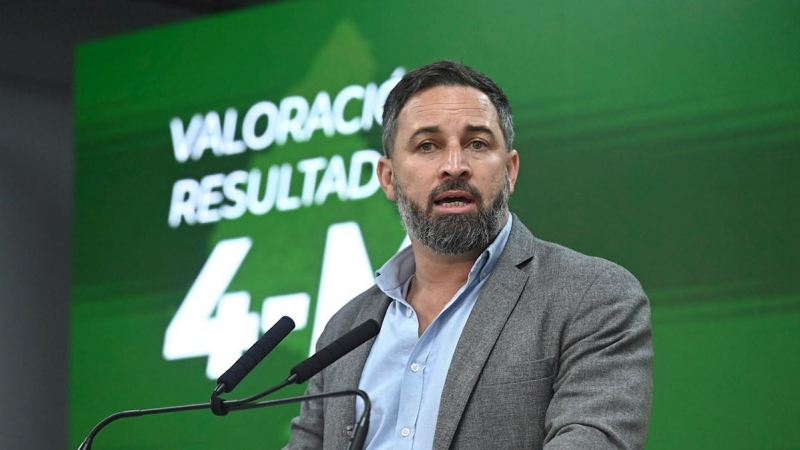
(556, 354)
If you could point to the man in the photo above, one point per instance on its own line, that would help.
(490, 338)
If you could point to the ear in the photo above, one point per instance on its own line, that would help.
(386, 177)
(512, 166)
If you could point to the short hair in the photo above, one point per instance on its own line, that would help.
(443, 73)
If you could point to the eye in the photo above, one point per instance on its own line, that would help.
(426, 146)
(478, 145)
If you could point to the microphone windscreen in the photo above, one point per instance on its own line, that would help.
(335, 350)
(256, 353)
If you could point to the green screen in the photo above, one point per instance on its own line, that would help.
(225, 177)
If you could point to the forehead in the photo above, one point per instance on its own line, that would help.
(443, 105)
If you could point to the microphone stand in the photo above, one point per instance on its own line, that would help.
(356, 442)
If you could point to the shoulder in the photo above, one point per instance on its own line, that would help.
(551, 261)
(590, 293)
(569, 277)
(554, 261)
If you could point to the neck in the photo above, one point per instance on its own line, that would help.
(437, 278)
(437, 271)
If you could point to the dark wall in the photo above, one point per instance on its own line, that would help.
(37, 42)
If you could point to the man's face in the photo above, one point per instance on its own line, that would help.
(450, 172)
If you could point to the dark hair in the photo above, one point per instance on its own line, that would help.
(443, 73)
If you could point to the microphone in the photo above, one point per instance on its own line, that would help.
(335, 350)
(228, 381)
(300, 373)
(311, 366)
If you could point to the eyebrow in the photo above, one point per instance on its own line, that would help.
(423, 130)
(436, 129)
(480, 129)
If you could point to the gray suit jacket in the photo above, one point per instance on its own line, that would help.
(556, 354)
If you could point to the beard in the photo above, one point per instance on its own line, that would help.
(454, 234)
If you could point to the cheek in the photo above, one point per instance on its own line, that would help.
(415, 183)
(492, 189)
(419, 196)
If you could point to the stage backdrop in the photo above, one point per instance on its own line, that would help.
(225, 177)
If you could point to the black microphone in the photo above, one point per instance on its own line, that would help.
(228, 381)
(311, 366)
(300, 373)
(335, 350)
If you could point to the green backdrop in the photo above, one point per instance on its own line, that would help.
(664, 136)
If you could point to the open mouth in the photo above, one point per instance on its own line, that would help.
(453, 199)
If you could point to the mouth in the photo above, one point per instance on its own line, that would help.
(454, 202)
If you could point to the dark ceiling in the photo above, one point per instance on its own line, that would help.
(38, 37)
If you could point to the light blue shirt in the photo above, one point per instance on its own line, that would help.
(404, 373)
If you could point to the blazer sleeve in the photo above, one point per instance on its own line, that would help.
(603, 388)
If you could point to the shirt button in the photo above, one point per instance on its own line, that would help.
(405, 432)
(415, 367)
(409, 312)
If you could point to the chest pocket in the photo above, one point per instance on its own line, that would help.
(531, 371)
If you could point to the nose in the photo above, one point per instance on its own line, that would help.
(455, 163)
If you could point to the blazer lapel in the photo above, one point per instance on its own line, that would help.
(490, 313)
(347, 374)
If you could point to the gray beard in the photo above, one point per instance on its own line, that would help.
(454, 234)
